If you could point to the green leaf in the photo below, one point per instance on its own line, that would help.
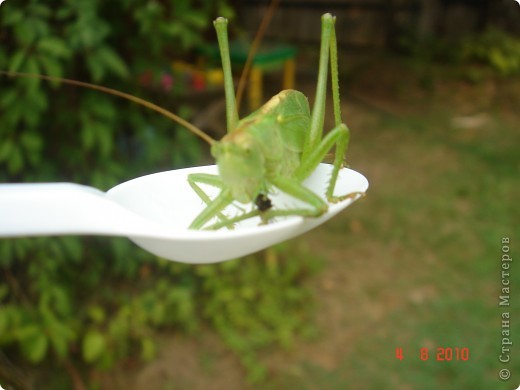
(33, 343)
(60, 334)
(94, 345)
(51, 67)
(55, 47)
(73, 248)
(6, 148)
(4, 322)
(226, 11)
(196, 19)
(103, 108)
(32, 144)
(17, 61)
(147, 349)
(13, 17)
(4, 291)
(87, 137)
(31, 66)
(31, 141)
(95, 67)
(104, 138)
(63, 13)
(40, 10)
(25, 32)
(8, 98)
(15, 163)
(96, 313)
(112, 61)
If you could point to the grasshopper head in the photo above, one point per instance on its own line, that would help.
(241, 165)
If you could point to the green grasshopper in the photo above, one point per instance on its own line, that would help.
(277, 146)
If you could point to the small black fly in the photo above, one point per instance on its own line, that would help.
(263, 203)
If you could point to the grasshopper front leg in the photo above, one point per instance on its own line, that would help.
(213, 207)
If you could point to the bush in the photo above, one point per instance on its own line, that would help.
(99, 42)
(496, 49)
(493, 48)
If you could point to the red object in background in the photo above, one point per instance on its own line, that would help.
(167, 81)
(197, 82)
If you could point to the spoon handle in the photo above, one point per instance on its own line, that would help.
(42, 209)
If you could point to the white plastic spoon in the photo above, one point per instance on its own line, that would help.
(154, 211)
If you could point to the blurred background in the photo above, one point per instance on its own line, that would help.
(401, 291)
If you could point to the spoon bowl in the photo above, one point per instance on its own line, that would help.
(154, 211)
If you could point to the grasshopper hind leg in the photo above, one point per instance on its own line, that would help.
(316, 147)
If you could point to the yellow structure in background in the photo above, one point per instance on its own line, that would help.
(255, 94)
(268, 58)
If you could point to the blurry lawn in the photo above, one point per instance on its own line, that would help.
(416, 264)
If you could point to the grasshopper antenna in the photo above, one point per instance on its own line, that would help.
(195, 130)
(266, 19)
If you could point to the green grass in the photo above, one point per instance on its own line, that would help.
(439, 202)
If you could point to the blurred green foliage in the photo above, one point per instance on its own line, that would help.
(257, 302)
(493, 48)
(99, 42)
(97, 301)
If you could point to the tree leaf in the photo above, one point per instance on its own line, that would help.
(147, 349)
(17, 61)
(112, 61)
(94, 345)
(33, 343)
(54, 47)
